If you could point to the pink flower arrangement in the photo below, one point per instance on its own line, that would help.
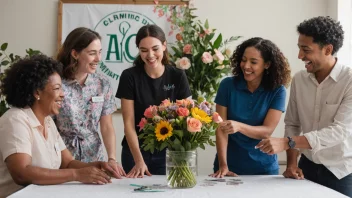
(183, 125)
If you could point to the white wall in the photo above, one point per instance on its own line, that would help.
(33, 23)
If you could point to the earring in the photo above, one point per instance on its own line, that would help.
(38, 98)
(267, 71)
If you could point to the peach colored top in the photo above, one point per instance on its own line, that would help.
(21, 132)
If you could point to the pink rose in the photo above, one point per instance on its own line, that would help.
(142, 123)
(187, 49)
(207, 58)
(218, 56)
(151, 111)
(181, 111)
(194, 125)
(217, 118)
(185, 102)
(165, 103)
(183, 63)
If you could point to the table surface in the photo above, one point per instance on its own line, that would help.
(252, 187)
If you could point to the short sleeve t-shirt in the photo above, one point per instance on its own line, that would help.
(136, 85)
(249, 108)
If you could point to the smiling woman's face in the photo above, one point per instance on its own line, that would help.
(51, 97)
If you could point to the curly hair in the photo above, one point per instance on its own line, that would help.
(279, 72)
(324, 31)
(78, 39)
(26, 76)
(152, 31)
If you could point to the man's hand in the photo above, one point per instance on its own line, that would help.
(293, 172)
(273, 145)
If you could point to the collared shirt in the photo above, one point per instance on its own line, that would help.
(21, 132)
(80, 114)
(248, 108)
(323, 112)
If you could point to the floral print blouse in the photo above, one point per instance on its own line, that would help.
(82, 108)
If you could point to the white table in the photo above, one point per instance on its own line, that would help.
(252, 187)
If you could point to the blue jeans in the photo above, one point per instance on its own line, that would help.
(318, 173)
(155, 162)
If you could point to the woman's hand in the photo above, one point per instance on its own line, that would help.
(138, 171)
(223, 171)
(229, 126)
(117, 169)
(91, 175)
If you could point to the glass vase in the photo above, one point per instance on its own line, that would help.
(181, 168)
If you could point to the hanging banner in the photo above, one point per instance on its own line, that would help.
(118, 25)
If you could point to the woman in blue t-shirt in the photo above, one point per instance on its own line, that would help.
(251, 103)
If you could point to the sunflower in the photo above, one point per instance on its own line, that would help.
(200, 115)
(163, 130)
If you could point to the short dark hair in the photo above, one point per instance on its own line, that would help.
(26, 76)
(152, 31)
(324, 31)
(78, 39)
(278, 73)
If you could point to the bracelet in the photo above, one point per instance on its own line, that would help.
(110, 158)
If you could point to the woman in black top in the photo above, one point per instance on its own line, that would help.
(150, 81)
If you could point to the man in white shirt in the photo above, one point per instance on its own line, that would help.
(320, 107)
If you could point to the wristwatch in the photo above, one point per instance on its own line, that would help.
(291, 142)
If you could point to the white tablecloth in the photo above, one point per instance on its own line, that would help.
(252, 187)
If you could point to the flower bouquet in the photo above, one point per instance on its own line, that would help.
(181, 127)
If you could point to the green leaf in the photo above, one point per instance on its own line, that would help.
(177, 142)
(179, 133)
(206, 24)
(182, 148)
(163, 145)
(217, 42)
(4, 46)
(5, 62)
(202, 146)
(11, 57)
(194, 145)
(188, 146)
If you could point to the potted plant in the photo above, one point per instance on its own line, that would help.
(199, 50)
(6, 60)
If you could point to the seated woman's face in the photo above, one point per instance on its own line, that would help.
(252, 65)
(52, 95)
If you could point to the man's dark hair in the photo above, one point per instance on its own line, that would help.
(324, 31)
